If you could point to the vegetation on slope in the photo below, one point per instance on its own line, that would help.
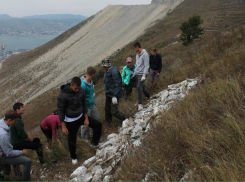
(205, 132)
(201, 122)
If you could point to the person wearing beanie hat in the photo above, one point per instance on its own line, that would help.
(113, 91)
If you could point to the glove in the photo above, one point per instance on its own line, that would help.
(114, 101)
(36, 140)
(143, 78)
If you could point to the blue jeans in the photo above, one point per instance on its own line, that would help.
(16, 161)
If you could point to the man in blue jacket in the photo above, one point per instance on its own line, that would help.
(113, 91)
(88, 86)
(10, 156)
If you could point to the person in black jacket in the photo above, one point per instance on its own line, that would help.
(155, 67)
(72, 113)
(113, 91)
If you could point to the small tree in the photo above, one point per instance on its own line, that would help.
(191, 30)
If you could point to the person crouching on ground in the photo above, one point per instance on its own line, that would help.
(72, 111)
(127, 74)
(88, 86)
(113, 91)
(10, 156)
(49, 128)
(19, 138)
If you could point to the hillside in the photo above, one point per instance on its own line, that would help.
(97, 38)
(203, 134)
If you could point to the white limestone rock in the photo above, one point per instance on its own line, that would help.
(90, 161)
(79, 172)
(97, 171)
(86, 177)
(108, 170)
(108, 178)
(137, 142)
(137, 131)
(164, 95)
(113, 135)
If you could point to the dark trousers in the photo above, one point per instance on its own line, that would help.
(73, 129)
(129, 88)
(141, 89)
(112, 110)
(33, 146)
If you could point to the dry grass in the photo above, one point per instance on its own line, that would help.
(205, 131)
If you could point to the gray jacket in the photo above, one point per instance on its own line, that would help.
(5, 146)
(142, 64)
(113, 83)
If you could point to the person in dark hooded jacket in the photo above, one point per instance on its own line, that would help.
(72, 113)
(113, 91)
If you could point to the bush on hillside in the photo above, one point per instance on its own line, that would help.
(191, 30)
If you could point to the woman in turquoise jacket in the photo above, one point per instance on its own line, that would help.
(127, 74)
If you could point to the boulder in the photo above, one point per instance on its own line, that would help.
(79, 172)
(90, 161)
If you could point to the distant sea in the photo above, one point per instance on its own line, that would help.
(28, 43)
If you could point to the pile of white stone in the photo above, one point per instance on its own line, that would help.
(103, 166)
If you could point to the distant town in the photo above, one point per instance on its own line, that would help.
(5, 54)
(32, 33)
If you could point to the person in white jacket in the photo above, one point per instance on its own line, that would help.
(10, 156)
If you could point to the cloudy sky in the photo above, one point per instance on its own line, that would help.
(20, 8)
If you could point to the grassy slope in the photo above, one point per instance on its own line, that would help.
(202, 58)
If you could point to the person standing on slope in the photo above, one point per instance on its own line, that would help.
(113, 91)
(127, 73)
(72, 111)
(9, 155)
(155, 67)
(141, 70)
(88, 86)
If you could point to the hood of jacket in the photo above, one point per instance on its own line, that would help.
(66, 88)
(85, 81)
(4, 128)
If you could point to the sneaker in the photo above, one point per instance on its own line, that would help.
(74, 161)
(140, 107)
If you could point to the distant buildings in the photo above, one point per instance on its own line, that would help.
(6, 54)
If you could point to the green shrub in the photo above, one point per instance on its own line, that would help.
(191, 30)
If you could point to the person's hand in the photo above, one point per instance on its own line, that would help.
(65, 130)
(143, 78)
(0, 155)
(158, 74)
(25, 153)
(148, 73)
(114, 101)
(86, 122)
(132, 77)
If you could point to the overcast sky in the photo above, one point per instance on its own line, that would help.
(20, 8)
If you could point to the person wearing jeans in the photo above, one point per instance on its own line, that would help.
(72, 111)
(9, 155)
(88, 86)
(141, 71)
(113, 91)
